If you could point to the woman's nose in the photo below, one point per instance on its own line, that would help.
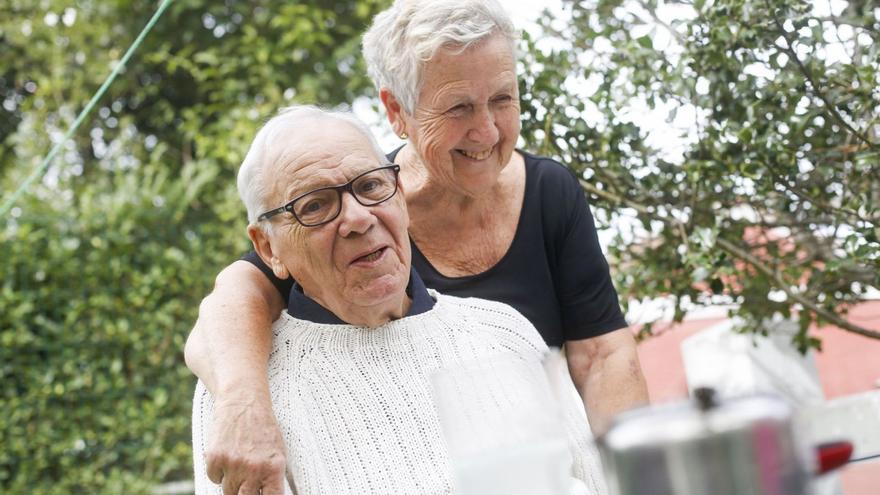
(483, 129)
(355, 218)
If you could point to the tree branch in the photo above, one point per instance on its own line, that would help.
(809, 75)
(825, 205)
(678, 36)
(826, 315)
(742, 254)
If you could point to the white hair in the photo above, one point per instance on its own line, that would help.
(269, 148)
(410, 32)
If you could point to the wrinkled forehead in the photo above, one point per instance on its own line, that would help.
(325, 152)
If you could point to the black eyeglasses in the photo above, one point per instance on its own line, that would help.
(322, 205)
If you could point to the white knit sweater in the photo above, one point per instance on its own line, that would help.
(355, 404)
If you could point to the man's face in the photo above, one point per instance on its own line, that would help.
(358, 262)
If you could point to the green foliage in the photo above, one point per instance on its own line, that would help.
(95, 307)
(773, 203)
(105, 261)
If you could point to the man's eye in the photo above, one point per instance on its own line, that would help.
(368, 185)
(312, 206)
(375, 188)
(502, 99)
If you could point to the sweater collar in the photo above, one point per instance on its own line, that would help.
(305, 308)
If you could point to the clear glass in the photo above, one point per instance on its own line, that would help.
(502, 426)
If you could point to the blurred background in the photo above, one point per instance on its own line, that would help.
(730, 149)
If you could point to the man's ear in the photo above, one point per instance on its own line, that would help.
(263, 247)
(394, 110)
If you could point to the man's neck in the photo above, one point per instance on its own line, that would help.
(309, 305)
(373, 316)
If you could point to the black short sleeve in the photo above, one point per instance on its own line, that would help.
(588, 302)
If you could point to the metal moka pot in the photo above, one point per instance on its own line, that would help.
(742, 446)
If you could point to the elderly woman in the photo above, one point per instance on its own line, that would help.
(352, 354)
(487, 220)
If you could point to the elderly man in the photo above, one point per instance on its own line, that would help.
(352, 355)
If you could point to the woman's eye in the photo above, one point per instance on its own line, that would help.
(502, 99)
(458, 109)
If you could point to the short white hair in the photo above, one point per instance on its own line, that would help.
(268, 150)
(410, 32)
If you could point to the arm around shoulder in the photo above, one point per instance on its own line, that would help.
(232, 336)
(228, 349)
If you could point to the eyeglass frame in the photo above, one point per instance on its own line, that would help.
(347, 187)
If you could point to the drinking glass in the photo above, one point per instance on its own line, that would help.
(503, 428)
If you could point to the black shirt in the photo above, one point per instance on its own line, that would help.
(554, 272)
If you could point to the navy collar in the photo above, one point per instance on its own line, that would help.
(305, 308)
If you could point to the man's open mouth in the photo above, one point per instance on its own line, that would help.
(369, 257)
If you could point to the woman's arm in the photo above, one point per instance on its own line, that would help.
(601, 351)
(606, 372)
(229, 344)
(228, 349)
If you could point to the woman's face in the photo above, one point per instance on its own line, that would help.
(466, 122)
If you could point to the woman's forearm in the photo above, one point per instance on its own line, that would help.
(228, 347)
(607, 374)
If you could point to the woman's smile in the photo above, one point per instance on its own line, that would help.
(476, 155)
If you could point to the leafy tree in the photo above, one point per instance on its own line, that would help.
(770, 200)
(105, 260)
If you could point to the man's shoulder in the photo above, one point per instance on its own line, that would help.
(493, 316)
(476, 304)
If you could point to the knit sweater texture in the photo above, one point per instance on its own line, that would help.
(355, 404)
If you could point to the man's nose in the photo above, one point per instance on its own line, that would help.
(355, 218)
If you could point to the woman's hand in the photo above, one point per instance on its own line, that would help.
(246, 452)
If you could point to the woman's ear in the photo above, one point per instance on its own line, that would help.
(263, 247)
(395, 112)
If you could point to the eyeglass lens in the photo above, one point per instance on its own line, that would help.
(323, 205)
